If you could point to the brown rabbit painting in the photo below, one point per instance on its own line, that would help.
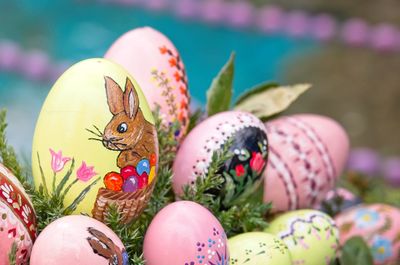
(105, 247)
(130, 134)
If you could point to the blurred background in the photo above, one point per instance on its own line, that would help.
(348, 49)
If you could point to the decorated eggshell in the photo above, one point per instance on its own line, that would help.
(153, 60)
(311, 236)
(78, 239)
(307, 154)
(339, 199)
(94, 130)
(242, 172)
(185, 233)
(258, 248)
(378, 224)
(17, 218)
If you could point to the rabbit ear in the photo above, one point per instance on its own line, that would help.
(131, 99)
(114, 96)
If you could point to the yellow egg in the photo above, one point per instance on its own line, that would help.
(310, 235)
(94, 139)
(258, 248)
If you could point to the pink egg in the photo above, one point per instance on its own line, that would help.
(243, 172)
(155, 63)
(18, 219)
(307, 154)
(378, 224)
(185, 233)
(78, 239)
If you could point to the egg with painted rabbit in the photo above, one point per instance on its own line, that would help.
(78, 239)
(378, 224)
(258, 248)
(157, 66)
(244, 137)
(311, 236)
(17, 219)
(95, 142)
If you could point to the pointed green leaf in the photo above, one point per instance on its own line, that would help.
(356, 252)
(65, 179)
(80, 197)
(219, 94)
(267, 100)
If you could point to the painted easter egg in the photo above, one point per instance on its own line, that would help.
(158, 68)
(307, 154)
(338, 200)
(378, 224)
(94, 130)
(17, 218)
(78, 239)
(311, 236)
(186, 233)
(258, 248)
(242, 172)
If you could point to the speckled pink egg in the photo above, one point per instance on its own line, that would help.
(17, 218)
(248, 144)
(378, 224)
(185, 233)
(153, 60)
(78, 239)
(307, 154)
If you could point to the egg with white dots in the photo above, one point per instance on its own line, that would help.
(247, 143)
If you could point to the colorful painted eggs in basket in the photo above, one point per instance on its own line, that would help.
(78, 239)
(307, 154)
(311, 236)
(95, 142)
(248, 144)
(17, 218)
(153, 60)
(185, 233)
(378, 224)
(258, 248)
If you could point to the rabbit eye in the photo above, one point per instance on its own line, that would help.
(123, 127)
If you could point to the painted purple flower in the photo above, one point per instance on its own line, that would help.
(58, 161)
(85, 173)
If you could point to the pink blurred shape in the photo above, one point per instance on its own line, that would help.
(212, 11)
(186, 8)
(270, 19)
(10, 55)
(323, 27)
(240, 14)
(36, 65)
(297, 24)
(355, 32)
(385, 37)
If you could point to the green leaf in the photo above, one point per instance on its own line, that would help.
(219, 94)
(356, 252)
(268, 99)
(80, 197)
(65, 179)
(255, 90)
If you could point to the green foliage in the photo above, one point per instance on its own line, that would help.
(267, 100)
(219, 94)
(355, 252)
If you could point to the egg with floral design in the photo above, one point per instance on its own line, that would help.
(307, 154)
(378, 224)
(185, 233)
(95, 143)
(154, 61)
(258, 248)
(242, 171)
(78, 239)
(311, 236)
(17, 218)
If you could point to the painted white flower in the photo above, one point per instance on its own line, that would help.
(7, 192)
(26, 211)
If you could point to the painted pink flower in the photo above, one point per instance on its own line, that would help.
(58, 161)
(257, 162)
(85, 173)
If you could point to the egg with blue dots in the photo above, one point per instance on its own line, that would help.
(78, 239)
(155, 62)
(186, 233)
(242, 169)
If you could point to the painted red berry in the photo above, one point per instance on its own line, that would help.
(113, 181)
(143, 180)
